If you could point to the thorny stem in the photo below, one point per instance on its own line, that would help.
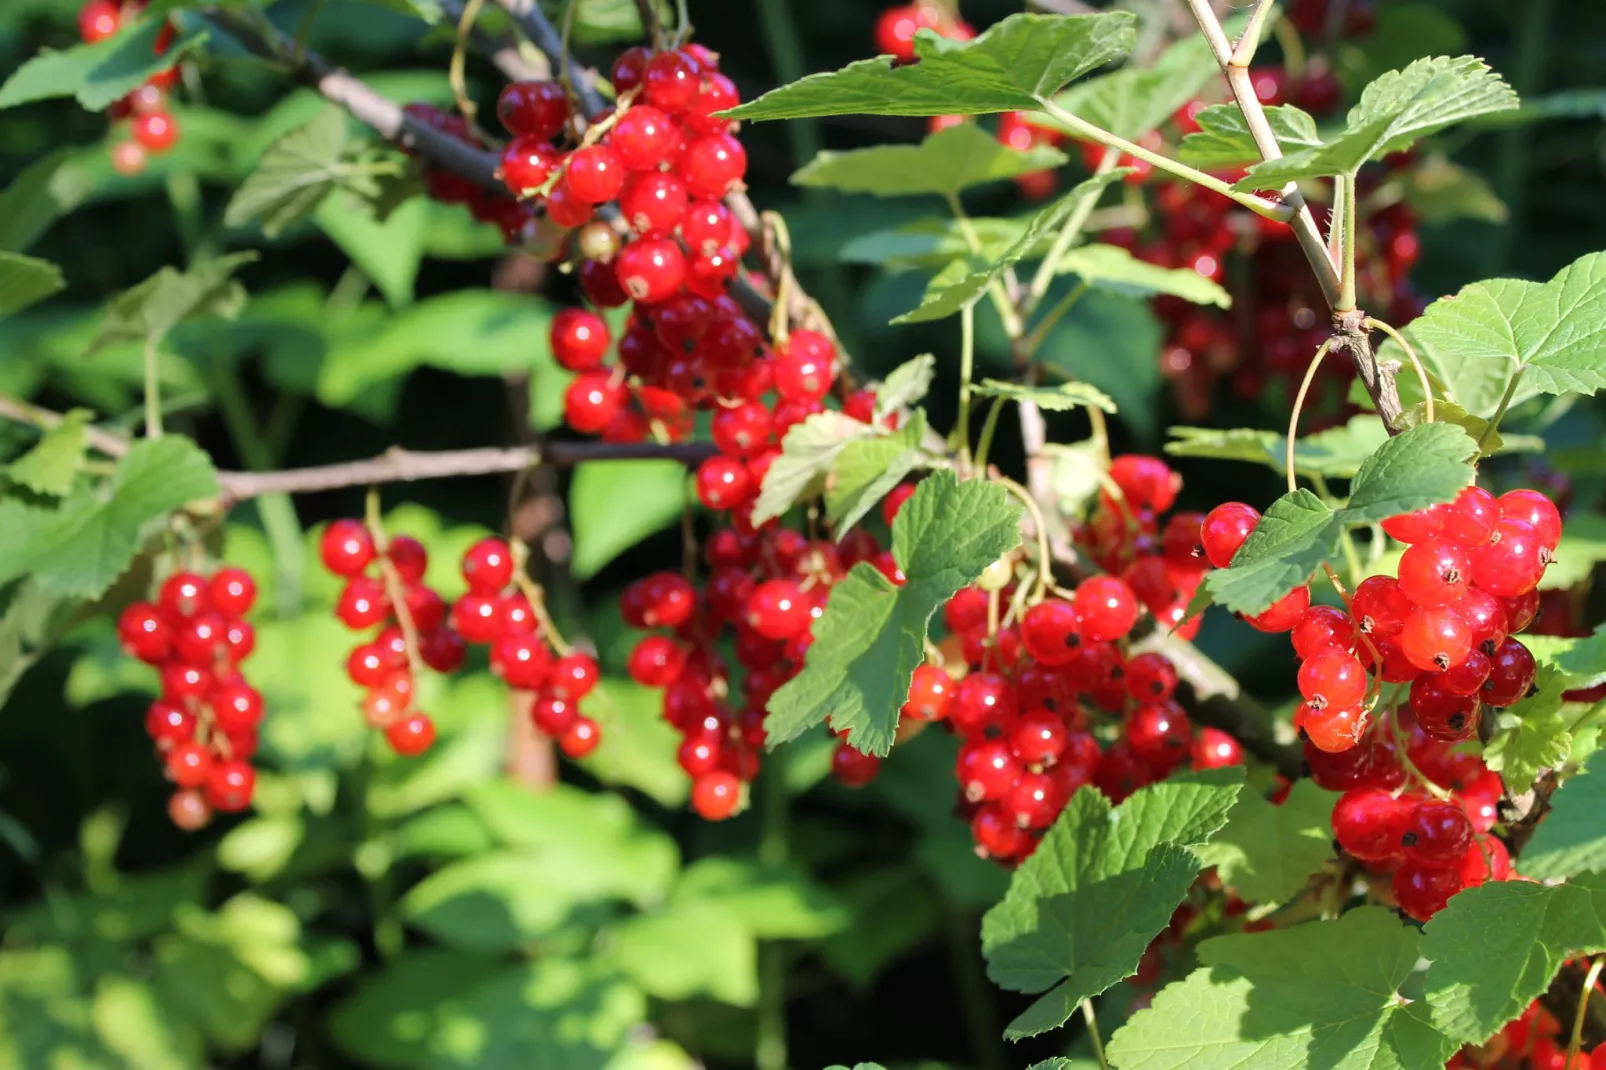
(1345, 189)
(1250, 41)
(1299, 405)
(1421, 372)
(1577, 1040)
(1259, 205)
(1500, 410)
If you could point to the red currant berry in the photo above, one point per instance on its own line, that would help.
(1322, 628)
(184, 594)
(1533, 508)
(188, 765)
(1034, 801)
(1368, 822)
(893, 502)
(1380, 607)
(996, 835)
(931, 694)
(592, 400)
(237, 708)
(723, 483)
(1332, 678)
(778, 609)
(1435, 832)
(1434, 572)
(534, 109)
(1215, 749)
(98, 20)
(671, 82)
(1512, 562)
(1469, 520)
(715, 796)
(233, 591)
(651, 270)
(1511, 674)
(1440, 712)
(644, 138)
(362, 603)
(1049, 632)
(1151, 677)
(853, 768)
(1038, 739)
(552, 715)
(412, 735)
(629, 67)
(581, 738)
(986, 769)
(580, 339)
(144, 633)
(478, 618)
(1283, 614)
(573, 676)
(805, 370)
(1159, 735)
(527, 163)
(1336, 728)
(656, 661)
(229, 785)
(1106, 609)
(1435, 638)
(488, 566)
(594, 174)
(347, 547)
(523, 661)
(168, 723)
(155, 131)
(711, 166)
(1417, 526)
(982, 700)
(1148, 484)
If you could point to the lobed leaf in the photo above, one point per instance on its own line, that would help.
(1110, 267)
(1062, 398)
(1223, 138)
(26, 280)
(98, 74)
(1571, 840)
(293, 176)
(147, 312)
(53, 464)
(808, 453)
(1422, 466)
(870, 467)
(1268, 852)
(945, 163)
(1531, 735)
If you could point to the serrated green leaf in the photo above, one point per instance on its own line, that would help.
(1296, 534)
(390, 1017)
(1531, 735)
(390, 250)
(686, 951)
(946, 162)
(101, 73)
(873, 633)
(1062, 398)
(293, 176)
(1338, 451)
(46, 190)
(57, 458)
(1080, 911)
(775, 902)
(932, 244)
(964, 281)
(1326, 993)
(808, 453)
(79, 548)
(1497, 947)
(1440, 191)
(150, 310)
(1581, 658)
(905, 385)
(870, 467)
(1134, 100)
(495, 902)
(1110, 267)
(1394, 111)
(26, 280)
(614, 505)
(1571, 840)
(1553, 332)
(1008, 68)
(1423, 466)
(1267, 852)
(1223, 138)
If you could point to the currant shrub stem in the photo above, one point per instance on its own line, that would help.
(153, 392)
(112, 445)
(1500, 410)
(967, 369)
(1421, 372)
(1067, 237)
(997, 290)
(1244, 53)
(1345, 189)
(989, 427)
(1577, 1041)
(1299, 405)
(456, 69)
(1093, 1035)
(1259, 205)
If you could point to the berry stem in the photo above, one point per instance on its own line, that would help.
(1244, 53)
(989, 427)
(1403, 755)
(536, 595)
(456, 69)
(1093, 1034)
(1082, 128)
(1577, 1040)
(998, 290)
(1029, 345)
(395, 589)
(1293, 417)
(1421, 372)
(1045, 563)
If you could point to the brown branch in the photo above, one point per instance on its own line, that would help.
(107, 442)
(538, 28)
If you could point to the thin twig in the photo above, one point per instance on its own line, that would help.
(112, 445)
(538, 28)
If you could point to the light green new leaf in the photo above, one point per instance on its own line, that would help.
(1269, 852)
(870, 467)
(148, 311)
(1581, 658)
(808, 453)
(1441, 191)
(1393, 112)
(79, 548)
(1291, 541)
(1326, 993)
(293, 176)
(1531, 735)
(1338, 451)
(932, 244)
(1223, 138)
(1062, 398)
(1497, 947)
(1553, 332)
(1132, 101)
(905, 385)
(99, 74)
(965, 280)
(1104, 881)
(1423, 466)
(1110, 267)
(873, 633)
(1571, 839)
(945, 163)
(57, 458)
(616, 504)
(26, 280)
(1008, 68)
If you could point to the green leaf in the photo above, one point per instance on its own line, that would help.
(1338, 451)
(150, 310)
(1223, 138)
(493, 902)
(638, 745)
(1582, 659)
(1134, 100)
(775, 902)
(553, 1012)
(1267, 852)
(1531, 735)
(1567, 104)
(1080, 911)
(964, 281)
(1062, 398)
(1326, 993)
(26, 280)
(905, 385)
(391, 1016)
(1440, 191)
(1110, 267)
(390, 250)
(1291, 541)
(870, 467)
(808, 453)
(945, 163)
(1582, 547)
(1113, 343)
(1423, 466)
(687, 951)
(1571, 840)
(1497, 947)
(101, 73)
(1553, 332)
(931, 244)
(616, 504)
(873, 633)
(134, 1024)
(57, 458)
(82, 546)
(46, 190)
(293, 176)
(1008, 68)
(1394, 111)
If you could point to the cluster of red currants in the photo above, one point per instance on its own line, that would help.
(1022, 704)
(1534, 1040)
(151, 127)
(497, 612)
(385, 592)
(204, 722)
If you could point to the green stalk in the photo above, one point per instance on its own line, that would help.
(1500, 411)
(988, 428)
(1068, 235)
(153, 392)
(1346, 295)
(1007, 313)
(967, 370)
(1040, 332)
(1093, 1035)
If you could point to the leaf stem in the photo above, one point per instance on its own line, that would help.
(1345, 190)
(1421, 372)
(967, 370)
(1007, 312)
(1577, 1040)
(153, 392)
(1039, 334)
(456, 70)
(1500, 410)
(1069, 233)
(1045, 562)
(988, 428)
(1299, 405)
(1093, 1034)
(1259, 205)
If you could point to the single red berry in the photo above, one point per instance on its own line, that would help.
(534, 109)
(233, 591)
(718, 94)
(523, 661)
(986, 769)
(1322, 628)
(1533, 508)
(1417, 526)
(966, 611)
(347, 547)
(1159, 735)
(656, 661)
(1513, 561)
(654, 203)
(573, 676)
(601, 284)
(595, 174)
(1486, 616)
(478, 617)
(1434, 572)
(1469, 520)
(237, 708)
(144, 633)
(188, 765)
(1283, 614)
(778, 609)
(363, 603)
(412, 735)
(1486, 860)
(229, 785)
(580, 339)
(1034, 800)
(184, 594)
(98, 20)
(1380, 607)
(1435, 832)
(552, 715)
(997, 835)
(1368, 822)
(1049, 632)
(723, 482)
(156, 131)
(581, 738)
(713, 165)
(592, 400)
(1336, 728)
(651, 269)
(1106, 609)
(1435, 638)
(931, 693)
(1511, 674)
(671, 82)
(893, 502)
(1440, 712)
(644, 138)
(567, 209)
(1038, 739)
(168, 723)
(182, 681)
(1148, 484)
(806, 368)
(1332, 678)
(1521, 611)
(1215, 749)
(1150, 677)
(853, 768)
(716, 795)
(629, 67)
(128, 159)
(442, 650)
(982, 700)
